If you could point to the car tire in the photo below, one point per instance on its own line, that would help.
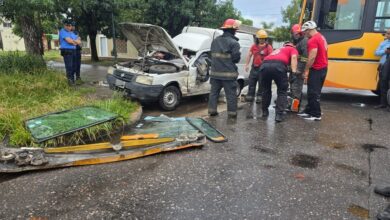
(240, 86)
(169, 98)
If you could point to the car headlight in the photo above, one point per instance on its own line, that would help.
(147, 80)
(111, 70)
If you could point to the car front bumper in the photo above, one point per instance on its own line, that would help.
(144, 93)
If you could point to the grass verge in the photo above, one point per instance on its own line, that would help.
(27, 95)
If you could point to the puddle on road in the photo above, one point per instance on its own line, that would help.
(351, 169)
(371, 147)
(265, 150)
(359, 211)
(305, 161)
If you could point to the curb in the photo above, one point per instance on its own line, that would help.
(136, 116)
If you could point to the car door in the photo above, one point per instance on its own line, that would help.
(198, 78)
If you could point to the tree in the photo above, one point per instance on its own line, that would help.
(290, 16)
(267, 26)
(220, 12)
(292, 12)
(92, 16)
(174, 15)
(27, 16)
(281, 34)
(247, 21)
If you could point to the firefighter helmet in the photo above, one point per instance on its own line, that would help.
(309, 25)
(262, 34)
(296, 29)
(231, 24)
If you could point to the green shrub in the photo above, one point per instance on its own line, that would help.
(13, 62)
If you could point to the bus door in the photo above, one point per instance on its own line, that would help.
(348, 26)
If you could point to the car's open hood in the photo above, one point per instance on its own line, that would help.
(150, 37)
(193, 41)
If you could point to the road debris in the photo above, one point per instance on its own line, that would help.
(154, 135)
(19, 160)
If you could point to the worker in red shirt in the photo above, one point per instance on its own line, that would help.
(258, 51)
(315, 70)
(274, 67)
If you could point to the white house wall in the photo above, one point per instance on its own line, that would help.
(11, 42)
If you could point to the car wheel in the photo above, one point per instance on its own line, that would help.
(239, 88)
(169, 98)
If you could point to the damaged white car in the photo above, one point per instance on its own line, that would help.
(169, 69)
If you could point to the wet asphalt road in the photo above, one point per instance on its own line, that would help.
(291, 170)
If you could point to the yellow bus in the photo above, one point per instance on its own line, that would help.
(353, 29)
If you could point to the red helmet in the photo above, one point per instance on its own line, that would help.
(231, 24)
(296, 29)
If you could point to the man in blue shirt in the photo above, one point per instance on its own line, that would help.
(68, 50)
(384, 67)
(77, 58)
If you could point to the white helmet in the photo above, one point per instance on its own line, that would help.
(309, 25)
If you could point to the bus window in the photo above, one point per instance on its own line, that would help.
(341, 14)
(382, 18)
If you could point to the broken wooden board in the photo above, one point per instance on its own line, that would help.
(139, 136)
(57, 160)
(107, 146)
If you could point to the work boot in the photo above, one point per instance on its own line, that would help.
(385, 215)
(383, 191)
(213, 114)
(258, 99)
(71, 83)
(380, 106)
(79, 81)
(279, 117)
(265, 113)
(232, 115)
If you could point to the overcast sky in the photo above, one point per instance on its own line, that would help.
(262, 10)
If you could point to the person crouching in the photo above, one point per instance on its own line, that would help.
(275, 68)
